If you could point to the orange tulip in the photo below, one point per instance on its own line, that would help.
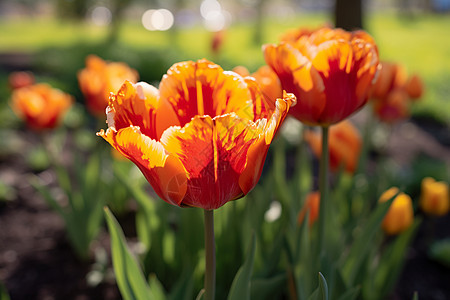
(99, 79)
(400, 215)
(40, 105)
(202, 138)
(414, 87)
(311, 205)
(20, 79)
(434, 198)
(393, 108)
(266, 78)
(344, 145)
(393, 91)
(330, 72)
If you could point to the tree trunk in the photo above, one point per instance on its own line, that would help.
(348, 14)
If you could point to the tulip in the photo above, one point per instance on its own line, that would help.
(400, 215)
(311, 205)
(266, 78)
(344, 145)
(330, 72)
(393, 108)
(414, 87)
(40, 105)
(393, 92)
(99, 79)
(202, 138)
(20, 79)
(434, 198)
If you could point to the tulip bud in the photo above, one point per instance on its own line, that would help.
(400, 215)
(434, 198)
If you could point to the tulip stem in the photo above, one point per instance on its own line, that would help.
(323, 188)
(210, 256)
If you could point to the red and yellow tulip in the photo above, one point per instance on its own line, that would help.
(344, 145)
(99, 79)
(40, 105)
(330, 71)
(266, 78)
(400, 215)
(434, 198)
(202, 138)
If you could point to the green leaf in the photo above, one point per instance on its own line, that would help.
(392, 261)
(130, 279)
(241, 287)
(351, 294)
(362, 244)
(323, 287)
(321, 292)
(264, 288)
(415, 296)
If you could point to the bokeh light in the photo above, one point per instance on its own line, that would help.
(159, 19)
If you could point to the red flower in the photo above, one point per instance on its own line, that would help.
(266, 78)
(202, 138)
(330, 72)
(40, 105)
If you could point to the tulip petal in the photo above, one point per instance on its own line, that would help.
(258, 150)
(134, 105)
(297, 76)
(214, 152)
(203, 88)
(164, 172)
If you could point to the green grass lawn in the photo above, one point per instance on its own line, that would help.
(418, 42)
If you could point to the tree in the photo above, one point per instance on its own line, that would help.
(348, 14)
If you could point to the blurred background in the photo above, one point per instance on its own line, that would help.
(52, 38)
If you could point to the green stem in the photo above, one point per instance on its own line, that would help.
(210, 256)
(323, 188)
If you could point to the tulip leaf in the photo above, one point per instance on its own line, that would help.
(392, 261)
(321, 293)
(130, 279)
(362, 244)
(350, 294)
(241, 286)
(264, 288)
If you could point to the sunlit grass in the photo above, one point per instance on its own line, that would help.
(418, 42)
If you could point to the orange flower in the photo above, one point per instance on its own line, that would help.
(434, 198)
(266, 78)
(330, 72)
(400, 214)
(101, 78)
(393, 108)
(20, 79)
(311, 205)
(202, 138)
(344, 145)
(40, 105)
(393, 91)
(414, 87)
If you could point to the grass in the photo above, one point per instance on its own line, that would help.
(418, 42)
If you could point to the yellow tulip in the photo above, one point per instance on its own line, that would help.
(400, 215)
(434, 198)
